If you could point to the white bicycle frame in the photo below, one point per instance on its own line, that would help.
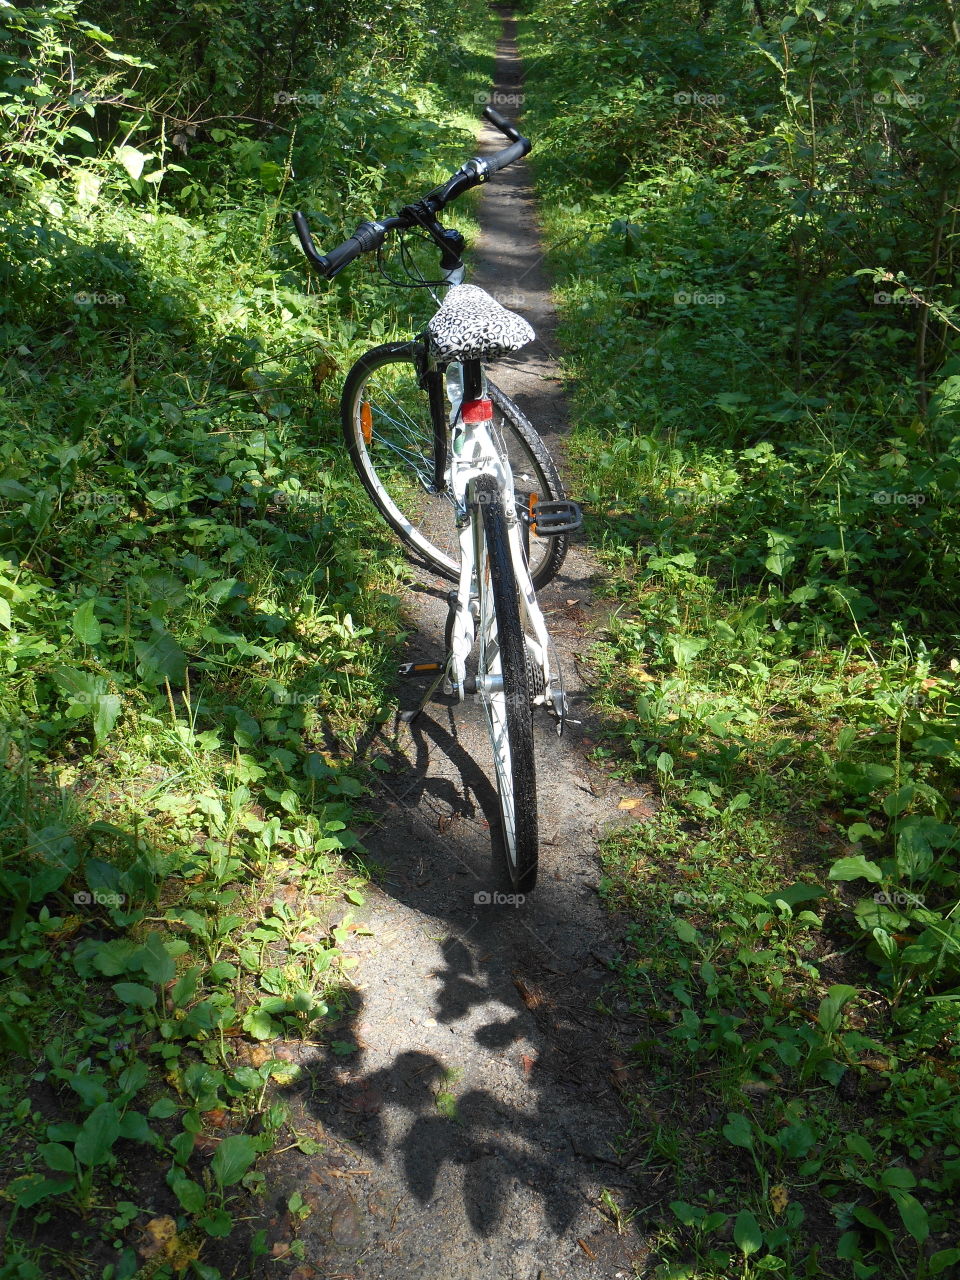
(474, 452)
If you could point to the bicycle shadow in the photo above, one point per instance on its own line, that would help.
(481, 1160)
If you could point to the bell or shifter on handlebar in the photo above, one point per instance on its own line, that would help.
(371, 235)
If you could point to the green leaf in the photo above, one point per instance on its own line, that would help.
(56, 1156)
(870, 1219)
(796, 1140)
(85, 625)
(685, 931)
(899, 800)
(191, 1195)
(689, 1214)
(859, 1146)
(747, 1234)
(163, 1109)
(218, 1223)
(233, 1158)
(28, 1191)
(942, 1259)
(135, 993)
(914, 853)
(133, 1078)
(260, 1025)
(132, 160)
(737, 1130)
(98, 1133)
(848, 1247)
(105, 715)
(795, 894)
(161, 658)
(134, 1127)
(912, 1213)
(155, 961)
(831, 1006)
(6, 620)
(856, 868)
(859, 830)
(702, 799)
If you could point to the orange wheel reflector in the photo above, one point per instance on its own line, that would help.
(531, 503)
(366, 422)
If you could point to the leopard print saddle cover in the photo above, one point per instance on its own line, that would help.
(471, 325)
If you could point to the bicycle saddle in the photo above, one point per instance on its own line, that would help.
(471, 325)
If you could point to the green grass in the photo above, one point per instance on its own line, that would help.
(199, 617)
(777, 522)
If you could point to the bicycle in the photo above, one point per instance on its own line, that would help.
(463, 478)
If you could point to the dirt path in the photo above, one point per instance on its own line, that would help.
(471, 1135)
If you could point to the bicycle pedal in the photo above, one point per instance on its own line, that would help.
(550, 519)
(410, 670)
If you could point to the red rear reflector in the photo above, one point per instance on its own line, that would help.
(477, 410)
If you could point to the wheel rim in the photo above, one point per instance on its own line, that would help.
(393, 438)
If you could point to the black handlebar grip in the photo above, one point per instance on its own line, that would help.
(502, 123)
(502, 158)
(369, 235)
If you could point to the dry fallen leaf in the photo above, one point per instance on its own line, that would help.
(877, 1064)
(530, 996)
(779, 1198)
(160, 1233)
(527, 1062)
(630, 802)
(163, 1242)
(619, 1073)
(322, 370)
(363, 1099)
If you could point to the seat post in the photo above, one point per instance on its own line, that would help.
(472, 380)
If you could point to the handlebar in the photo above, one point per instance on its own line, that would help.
(371, 235)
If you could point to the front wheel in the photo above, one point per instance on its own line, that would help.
(504, 687)
(388, 430)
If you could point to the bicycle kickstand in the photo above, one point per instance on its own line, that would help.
(413, 669)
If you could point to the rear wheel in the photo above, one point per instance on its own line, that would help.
(504, 687)
(389, 434)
